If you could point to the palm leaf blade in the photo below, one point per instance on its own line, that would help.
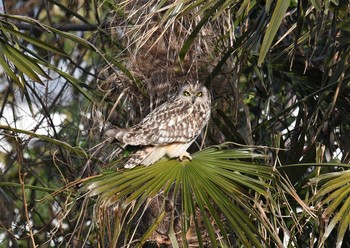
(276, 19)
(209, 185)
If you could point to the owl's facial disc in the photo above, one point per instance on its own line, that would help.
(193, 93)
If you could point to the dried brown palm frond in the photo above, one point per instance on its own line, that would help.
(153, 36)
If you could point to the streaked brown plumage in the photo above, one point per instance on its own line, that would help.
(169, 129)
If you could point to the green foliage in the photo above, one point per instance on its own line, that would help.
(207, 192)
(334, 195)
(279, 75)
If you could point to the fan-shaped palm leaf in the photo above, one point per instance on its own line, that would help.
(214, 192)
(334, 197)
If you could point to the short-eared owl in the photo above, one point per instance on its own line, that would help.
(169, 129)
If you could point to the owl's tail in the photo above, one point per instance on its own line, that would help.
(137, 158)
(146, 156)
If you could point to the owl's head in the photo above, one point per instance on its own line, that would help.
(194, 93)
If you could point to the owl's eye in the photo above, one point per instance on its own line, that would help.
(199, 94)
(186, 93)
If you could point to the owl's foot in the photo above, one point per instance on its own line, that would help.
(185, 154)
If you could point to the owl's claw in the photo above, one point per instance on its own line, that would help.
(185, 154)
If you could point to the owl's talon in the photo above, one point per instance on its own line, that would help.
(185, 154)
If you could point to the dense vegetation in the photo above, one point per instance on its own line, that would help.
(270, 170)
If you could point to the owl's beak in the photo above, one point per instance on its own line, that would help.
(193, 99)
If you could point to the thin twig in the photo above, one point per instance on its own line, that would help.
(21, 180)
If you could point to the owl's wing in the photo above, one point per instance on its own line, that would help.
(171, 122)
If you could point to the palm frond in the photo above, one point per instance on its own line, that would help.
(333, 201)
(211, 195)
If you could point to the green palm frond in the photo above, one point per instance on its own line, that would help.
(22, 62)
(212, 195)
(275, 23)
(334, 202)
(29, 62)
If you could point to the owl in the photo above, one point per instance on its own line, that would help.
(170, 129)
